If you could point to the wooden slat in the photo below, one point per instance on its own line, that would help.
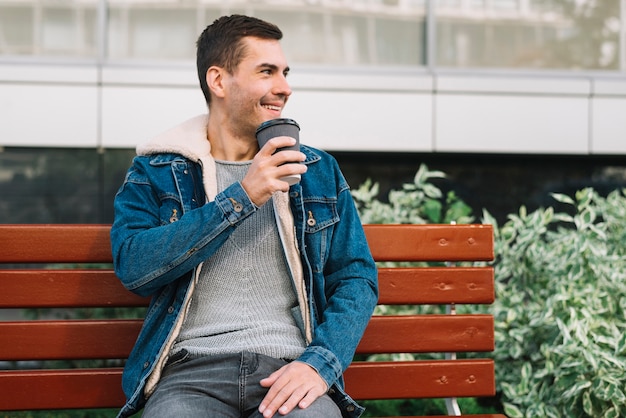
(89, 388)
(60, 389)
(68, 339)
(64, 288)
(436, 285)
(49, 243)
(430, 242)
(420, 379)
(55, 243)
(428, 334)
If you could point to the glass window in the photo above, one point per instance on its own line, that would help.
(359, 32)
(16, 33)
(66, 28)
(399, 42)
(556, 34)
(531, 34)
(143, 31)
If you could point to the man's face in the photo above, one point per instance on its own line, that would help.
(258, 89)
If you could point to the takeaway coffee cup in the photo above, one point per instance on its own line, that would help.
(280, 127)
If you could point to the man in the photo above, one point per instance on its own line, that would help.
(260, 291)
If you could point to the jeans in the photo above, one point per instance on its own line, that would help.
(225, 385)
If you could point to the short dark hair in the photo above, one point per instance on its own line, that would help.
(220, 44)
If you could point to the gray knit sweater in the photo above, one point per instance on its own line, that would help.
(244, 298)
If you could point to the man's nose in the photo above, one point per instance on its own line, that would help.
(282, 87)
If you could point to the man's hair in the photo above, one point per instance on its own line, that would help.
(220, 44)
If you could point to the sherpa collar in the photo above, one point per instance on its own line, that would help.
(188, 139)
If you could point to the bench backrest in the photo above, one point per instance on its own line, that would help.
(34, 274)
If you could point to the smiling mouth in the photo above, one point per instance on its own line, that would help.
(270, 107)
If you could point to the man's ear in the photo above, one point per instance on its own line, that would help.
(215, 81)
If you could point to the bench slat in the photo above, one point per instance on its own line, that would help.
(48, 243)
(40, 340)
(64, 288)
(75, 339)
(420, 379)
(364, 380)
(427, 334)
(61, 389)
(436, 285)
(55, 244)
(430, 242)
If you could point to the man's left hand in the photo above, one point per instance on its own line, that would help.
(295, 384)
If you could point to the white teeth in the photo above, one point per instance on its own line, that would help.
(271, 107)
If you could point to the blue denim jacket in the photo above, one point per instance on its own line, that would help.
(164, 229)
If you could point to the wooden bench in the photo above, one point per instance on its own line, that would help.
(31, 277)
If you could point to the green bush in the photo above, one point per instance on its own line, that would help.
(419, 202)
(560, 308)
(560, 295)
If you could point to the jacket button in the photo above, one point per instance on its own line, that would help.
(238, 207)
(350, 408)
(146, 365)
(170, 310)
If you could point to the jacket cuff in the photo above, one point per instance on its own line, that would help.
(324, 362)
(235, 203)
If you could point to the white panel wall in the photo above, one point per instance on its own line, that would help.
(364, 121)
(339, 109)
(138, 103)
(363, 111)
(41, 106)
(512, 114)
(512, 124)
(133, 114)
(609, 116)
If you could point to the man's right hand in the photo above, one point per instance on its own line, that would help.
(268, 167)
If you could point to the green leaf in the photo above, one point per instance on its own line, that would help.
(584, 197)
(432, 210)
(578, 387)
(620, 349)
(512, 411)
(611, 413)
(615, 394)
(562, 198)
(587, 404)
(432, 191)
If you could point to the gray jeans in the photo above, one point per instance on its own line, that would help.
(225, 385)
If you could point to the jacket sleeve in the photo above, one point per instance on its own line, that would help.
(153, 241)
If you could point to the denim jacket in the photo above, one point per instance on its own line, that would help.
(169, 219)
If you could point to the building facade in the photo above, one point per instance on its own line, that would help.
(376, 82)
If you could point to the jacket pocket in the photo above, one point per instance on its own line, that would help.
(320, 213)
(320, 217)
